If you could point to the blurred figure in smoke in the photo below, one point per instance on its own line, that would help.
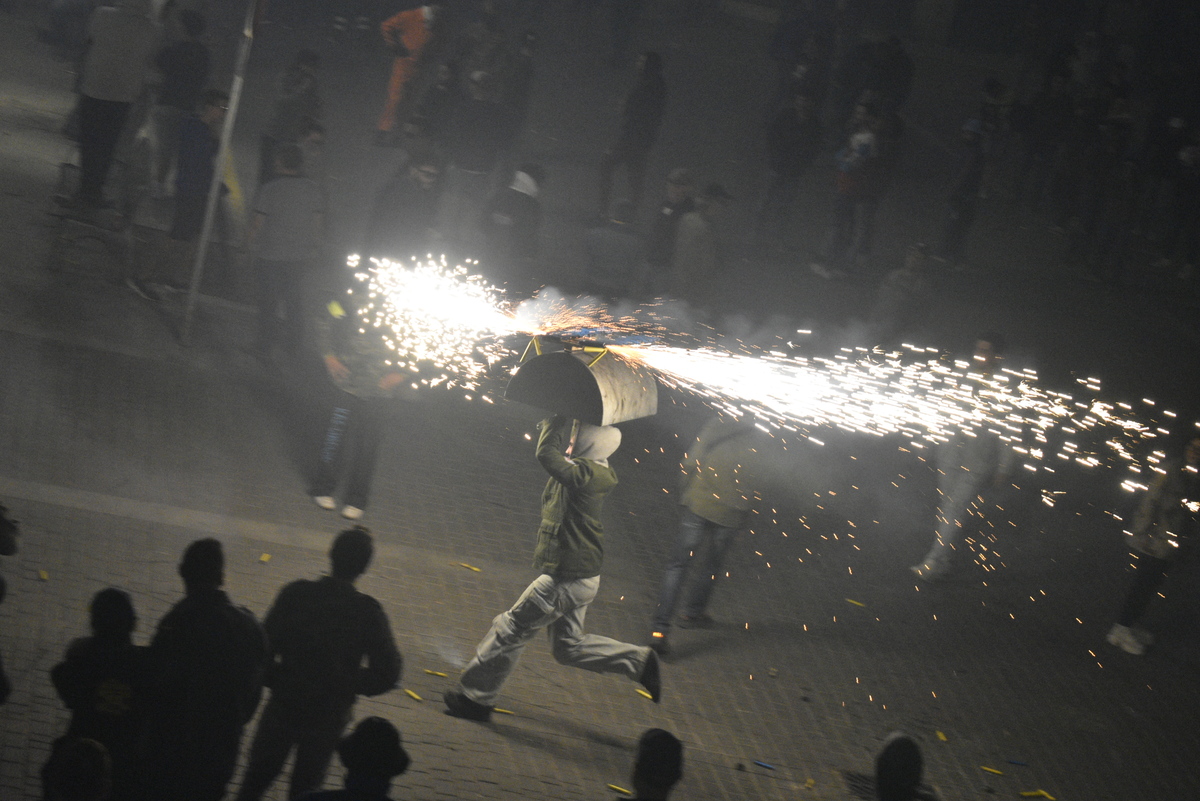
(855, 198)
(679, 200)
(696, 266)
(641, 118)
(404, 216)
(970, 467)
(794, 139)
(963, 202)
(614, 251)
(298, 99)
(1163, 532)
(405, 33)
(511, 224)
(721, 478)
(901, 300)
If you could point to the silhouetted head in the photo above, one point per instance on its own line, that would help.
(658, 765)
(373, 749)
(289, 159)
(203, 565)
(898, 768)
(351, 552)
(112, 614)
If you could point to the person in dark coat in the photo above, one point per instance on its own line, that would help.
(404, 216)
(640, 121)
(105, 680)
(794, 139)
(321, 632)
(679, 200)
(209, 657)
(615, 252)
(184, 66)
(373, 756)
(510, 225)
(963, 202)
(476, 137)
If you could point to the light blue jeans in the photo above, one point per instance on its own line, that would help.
(693, 529)
(561, 606)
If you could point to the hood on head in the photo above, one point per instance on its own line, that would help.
(141, 8)
(596, 442)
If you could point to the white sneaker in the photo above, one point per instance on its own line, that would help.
(1123, 637)
(325, 502)
(352, 512)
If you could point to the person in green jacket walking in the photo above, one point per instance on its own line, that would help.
(719, 486)
(570, 550)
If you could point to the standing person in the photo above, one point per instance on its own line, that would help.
(511, 224)
(901, 300)
(971, 466)
(794, 139)
(680, 199)
(720, 485)
(209, 659)
(615, 252)
(569, 554)
(963, 202)
(1164, 530)
(184, 66)
(358, 362)
(297, 100)
(321, 632)
(285, 234)
(854, 196)
(476, 131)
(195, 168)
(105, 681)
(120, 41)
(696, 263)
(641, 118)
(405, 33)
(404, 216)
(373, 755)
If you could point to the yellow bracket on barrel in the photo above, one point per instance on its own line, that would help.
(599, 354)
(537, 349)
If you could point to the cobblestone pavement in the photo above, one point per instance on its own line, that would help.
(120, 446)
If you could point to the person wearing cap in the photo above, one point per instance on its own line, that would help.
(696, 263)
(373, 755)
(680, 199)
(658, 766)
(568, 556)
(963, 201)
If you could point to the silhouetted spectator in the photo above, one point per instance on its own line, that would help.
(120, 41)
(373, 756)
(664, 227)
(210, 657)
(641, 118)
(406, 34)
(854, 202)
(184, 66)
(105, 680)
(434, 115)
(890, 74)
(321, 632)
(195, 168)
(697, 263)
(963, 201)
(901, 300)
(79, 770)
(800, 50)
(623, 18)
(404, 215)
(1101, 239)
(66, 27)
(298, 98)
(615, 252)
(8, 547)
(721, 480)
(898, 768)
(1042, 125)
(285, 234)
(475, 139)
(794, 139)
(658, 766)
(511, 223)
(516, 87)
(569, 553)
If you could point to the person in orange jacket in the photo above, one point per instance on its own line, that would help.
(405, 33)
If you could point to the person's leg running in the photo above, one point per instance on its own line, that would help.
(719, 540)
(329, 459)
(687, 542)
(592, 652)
(365, 435)
(501, 648)
(314, 751)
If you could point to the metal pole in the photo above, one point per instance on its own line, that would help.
(214, 189)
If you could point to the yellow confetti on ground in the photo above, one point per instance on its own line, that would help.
(43, 575)
(991, 770)
(644, 694)
(942, 736)
(412, 695)
(266, 557)
(621, 790)
(469, 567)
(436, 673)
(1037, 794)
(811, 783)
(503, 711)
(856, 603)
